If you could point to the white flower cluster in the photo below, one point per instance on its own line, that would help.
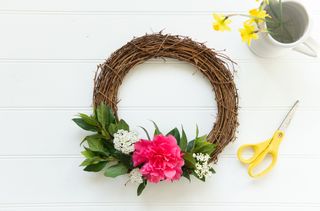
(124, 141)
(203, 168)
(135, 176)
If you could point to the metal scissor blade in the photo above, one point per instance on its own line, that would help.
(286, 121)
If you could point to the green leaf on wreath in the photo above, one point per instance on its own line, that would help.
(116, 170)
(189, 160)
(147, 134)
(112, 129)
(141, 187)
(176, 134)
(84, 125)
(89, 119)
(96, 144)
(183, 141)
(156, 131)
(122, 125)
(104, 115)
(87, 153)
(95, 167)
(190, 146)
(205, 148)
(186, 174)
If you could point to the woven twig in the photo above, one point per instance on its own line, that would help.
(210, 63)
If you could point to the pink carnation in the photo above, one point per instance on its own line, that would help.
(161, 158)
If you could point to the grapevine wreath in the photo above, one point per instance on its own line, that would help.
(116, 150)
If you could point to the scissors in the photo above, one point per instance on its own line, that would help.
(268, 147)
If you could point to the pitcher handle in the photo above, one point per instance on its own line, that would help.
(311, 45)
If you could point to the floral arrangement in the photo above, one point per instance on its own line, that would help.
(255, 22)
(116, 150)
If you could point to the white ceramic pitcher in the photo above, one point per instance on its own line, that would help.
(267, 46)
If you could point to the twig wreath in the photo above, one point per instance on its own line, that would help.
(117, 150)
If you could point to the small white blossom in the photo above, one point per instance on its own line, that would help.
(124, 141)
(203, 168)
(135, 176)
(201, 157)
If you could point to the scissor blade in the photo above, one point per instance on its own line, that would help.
(286, 121)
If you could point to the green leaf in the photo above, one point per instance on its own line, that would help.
(190, 146)
(212, 170)
(183, 141)
(105, 115)
(89, 119)
(81, 123)
(197, 131)
(122, 125)
(112, 129)
(175, 132)
(201, 139)
(141, 187)
(190, 162)
(145, 130)
(124, 159)
(116, 170)
(87, 153)
(95, 144)
(156, 131)
(95, 167)
(186, 175)
(203, 179)
(95, 136)
(205, 148)
(90, 161)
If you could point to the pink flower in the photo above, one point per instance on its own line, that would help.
(161, 158)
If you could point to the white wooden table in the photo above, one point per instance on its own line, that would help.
(48, 56)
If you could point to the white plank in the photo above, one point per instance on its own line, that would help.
(294, 180)
(50, 133)
(94, 37)
(157, 207)
(70, 85)
(138, 5)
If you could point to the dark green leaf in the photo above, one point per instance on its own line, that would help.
(175, 132)
(190, 146)
(183, 141)
(141, 187)
(87, 153)
(90, 161)
(203, 179)
(156, 131)
(96, 167)
(116, 170)
(145, 130)
(89, 119)
(186, 175)
(212, 170)
(95, 144)
(205, 148)
(197, 131)
(81, 123)
(105, 115)
(112, 129)
(122, 125)
(189, 160)
(102, 114)
(124, 159)
(95, 136)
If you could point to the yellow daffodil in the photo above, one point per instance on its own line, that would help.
(221, 23)
(248, 32)
(258, 15)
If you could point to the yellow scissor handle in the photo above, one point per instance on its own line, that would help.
(260, 151)
(257, 150)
